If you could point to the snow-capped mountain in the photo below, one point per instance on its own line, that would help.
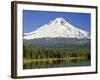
(58, 28)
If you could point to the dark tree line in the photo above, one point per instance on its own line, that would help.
(32, 52)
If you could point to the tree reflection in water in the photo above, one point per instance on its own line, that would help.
(57, 62)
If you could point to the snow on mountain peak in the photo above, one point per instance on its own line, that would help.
(57, 28)
(60, 20)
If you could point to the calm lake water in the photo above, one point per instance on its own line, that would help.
(54, 63)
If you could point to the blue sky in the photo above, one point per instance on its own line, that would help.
(34, 19)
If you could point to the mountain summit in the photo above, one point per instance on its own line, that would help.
(58, 28)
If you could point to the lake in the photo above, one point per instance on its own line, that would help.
(56, 62)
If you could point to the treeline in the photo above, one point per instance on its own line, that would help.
(30, 51)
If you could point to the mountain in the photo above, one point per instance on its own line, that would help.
(58, 28)
(59, 43)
